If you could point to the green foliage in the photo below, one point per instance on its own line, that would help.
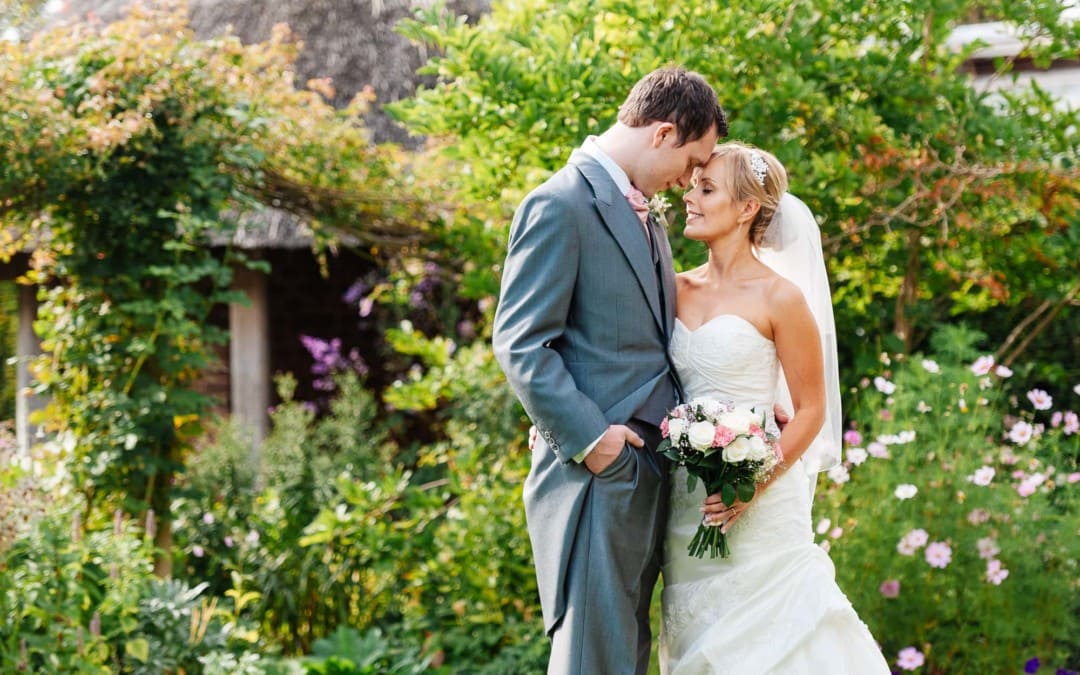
(937, 200)
(986, 495)
(133, 146)
(347, 652)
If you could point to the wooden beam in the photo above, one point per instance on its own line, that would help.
(27, 347)
(249, 354)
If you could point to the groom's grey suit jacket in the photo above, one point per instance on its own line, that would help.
(581, 333)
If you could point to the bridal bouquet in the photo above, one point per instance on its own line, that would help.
(723, 446)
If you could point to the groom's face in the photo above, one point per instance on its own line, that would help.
(671, 164)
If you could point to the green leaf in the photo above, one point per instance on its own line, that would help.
(727, 493)
(138, 648)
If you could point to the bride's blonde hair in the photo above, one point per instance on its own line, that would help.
(753, 174)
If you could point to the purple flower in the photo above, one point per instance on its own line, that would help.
(890, 588)
(910, 658)
(1032, 665)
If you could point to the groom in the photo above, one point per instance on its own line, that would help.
(581, 331)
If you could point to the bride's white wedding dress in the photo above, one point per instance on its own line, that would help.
(773, 606)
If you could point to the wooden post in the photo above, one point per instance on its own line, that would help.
(249, 354)
(27, 348)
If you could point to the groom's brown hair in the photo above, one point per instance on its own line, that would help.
(678, 96)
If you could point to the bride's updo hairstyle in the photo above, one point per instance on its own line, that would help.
(753, 173)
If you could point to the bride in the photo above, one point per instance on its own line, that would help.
(749, 322)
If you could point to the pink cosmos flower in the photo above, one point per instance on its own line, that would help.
(890, 588)
(1074, 477)
(1021, 433)
(988, 548)
(1026, 489)
(852, 437)
(995, 573)
(1003, 371)
(228, 541)
(978, 516)
(823, 526)
(910, 658)
(878, 449)
(931, 366)
(836, 532)
(1040, 399)
(856, 456)
(208, 518)
(917, 537)
(197, 551)
(982, 365)
(983, 475)
(1072, 423)
(1055, 419)
(886, 415)
(904, 547)
(938, 554)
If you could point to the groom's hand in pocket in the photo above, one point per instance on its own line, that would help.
(610, 445)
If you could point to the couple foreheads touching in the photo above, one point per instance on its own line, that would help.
(680, 419)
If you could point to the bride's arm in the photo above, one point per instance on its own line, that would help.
(796, 336)
(798, 341)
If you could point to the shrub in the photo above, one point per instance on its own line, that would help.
(952, 521)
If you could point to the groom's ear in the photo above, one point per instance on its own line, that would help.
(661, 131)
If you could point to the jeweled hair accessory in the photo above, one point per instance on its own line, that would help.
(758, 166)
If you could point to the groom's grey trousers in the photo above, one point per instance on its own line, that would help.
(614, 566)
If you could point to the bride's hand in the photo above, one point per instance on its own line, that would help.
(718, 513)
(781, 415)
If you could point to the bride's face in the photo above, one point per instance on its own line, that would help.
(711, 210)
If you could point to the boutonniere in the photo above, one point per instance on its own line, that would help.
(659, 206)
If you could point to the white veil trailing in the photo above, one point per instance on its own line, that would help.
(792, 247)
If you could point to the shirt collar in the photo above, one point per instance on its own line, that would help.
(591, 148)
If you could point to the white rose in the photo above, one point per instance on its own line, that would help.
(739, 420)
(738, 450)
(701, 435)
(676, 427)
(758, 449)
(712, 407)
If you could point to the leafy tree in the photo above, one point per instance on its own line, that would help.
(126, 151)
(939, 202)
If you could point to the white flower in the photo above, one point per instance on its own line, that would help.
(839, 474)
(884, 386)
(1040, 399)
(739, 420)
(906, 436)
(1021, 433)
(738, 450)
(982, 476)
(701, 435)
(677, 429)
(931, 366)
(1003, 371)
(982, 365)
(823, 525)
(923, 408)
(856, 456)
(905, 491)
(759, 450)
(1076, 390)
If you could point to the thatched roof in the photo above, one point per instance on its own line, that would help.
(350, 41)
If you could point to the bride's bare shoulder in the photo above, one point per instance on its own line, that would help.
(783, 297)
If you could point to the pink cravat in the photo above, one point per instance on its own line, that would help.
(638, 202)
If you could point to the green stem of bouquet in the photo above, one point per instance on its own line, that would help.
(709, 539)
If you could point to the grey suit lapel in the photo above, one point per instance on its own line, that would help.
(625, 227)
